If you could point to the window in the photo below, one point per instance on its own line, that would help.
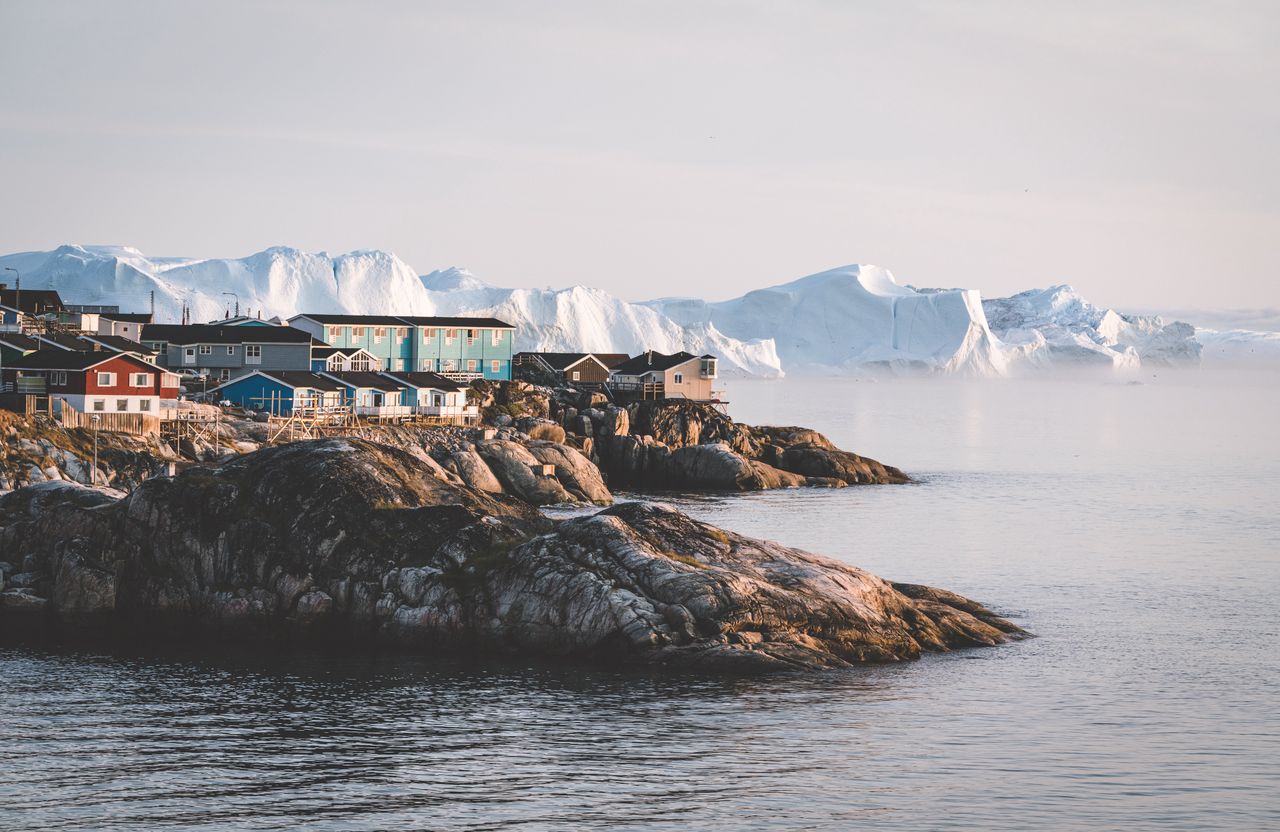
(428, 364)
(497, 337)
(141, 379)
(189, 355)
(170, 380)
(449, 365)
(428, 334)
(471, 337)
(99, 405)
(449, 335)
(379, 333)
(335, 332)
(144, 405)
(231, 350)
(495, 366)
(224, 375)
(253, 353)
(678, 378)
(471, 365)
(206, 349)
(58, 379)
(106, 379)
(402, 332)
(158, 346)
(577, 376)
(399, 365)
(357, 332)
(122, 405)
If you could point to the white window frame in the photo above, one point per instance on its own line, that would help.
(449, 335)
(253, 353)
(122, 405)
(428, 334)
(357, 331)
(402, 332)
(677, 378)
(139, 379)
(379, 332)
(577, 374)
(99, 405)
(171, 380)
(497, 337)
(144, 405)
(206, 349)
(58, 378)
(471, 337)
(472, 365)
(495, 366)
(106, 379)
(335, 332)
(188, 355)
(231, 349)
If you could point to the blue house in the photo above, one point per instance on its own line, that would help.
(461, 348)
(280, 392)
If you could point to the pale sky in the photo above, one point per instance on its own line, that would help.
(663, 148)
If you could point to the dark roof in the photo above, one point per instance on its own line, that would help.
(118, 343)
(422, 379)
(373, 380)
(460, 323)
(34, 301)
(63, 340)
(295, 379)
(357, 320)
(611, 359)
(128, 317)
(209, 334)
(558, 360)
(19, 342)
(653, 361)
(326, 351)
(70, 360)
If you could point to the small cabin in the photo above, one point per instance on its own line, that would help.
(281, 392)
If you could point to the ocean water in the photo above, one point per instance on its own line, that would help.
(1135, 528)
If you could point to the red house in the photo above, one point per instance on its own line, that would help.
(92, 382)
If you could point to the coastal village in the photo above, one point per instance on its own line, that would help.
(313, 373)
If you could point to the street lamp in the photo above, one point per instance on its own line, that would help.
(93, 475)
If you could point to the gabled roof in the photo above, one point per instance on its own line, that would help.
(327, 351)
(18, 341)
(63, 341)
(433, 381)
(34, 301)
(352, 320)
(459, 323)
(128, 317)
(73, 360)
(611, 359)
(293, 379)
(374, 381)
(118, 343)
(651, 361)
(210, 334)
(559, 360)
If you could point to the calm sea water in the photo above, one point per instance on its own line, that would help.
(1135, 528)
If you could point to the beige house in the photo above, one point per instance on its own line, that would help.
(654, 375)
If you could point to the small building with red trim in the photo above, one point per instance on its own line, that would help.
(92, 382)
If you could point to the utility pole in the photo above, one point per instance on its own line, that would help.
(237, 297)
(153, 306)
(93, 475)
(17, 294)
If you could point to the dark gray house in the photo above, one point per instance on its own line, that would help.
(227, 352)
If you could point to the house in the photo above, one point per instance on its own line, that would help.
(14, 345)
(583, 368)
(123, 324)
(372, 394)
(92, 382)
(431, 394)
(20, 308)
(461, 347)
(225, 352)
(343, 359)
(281, 392)
(654, 375)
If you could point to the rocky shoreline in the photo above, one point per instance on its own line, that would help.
(353, 539)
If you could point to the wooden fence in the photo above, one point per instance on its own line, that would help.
(138, 424)
(25, 403)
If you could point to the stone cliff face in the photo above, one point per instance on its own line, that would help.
(350, 538)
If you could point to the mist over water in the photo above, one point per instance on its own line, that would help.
(1132, 527)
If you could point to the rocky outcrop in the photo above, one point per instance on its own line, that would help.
(345, 538)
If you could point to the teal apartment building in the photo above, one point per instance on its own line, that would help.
(455, 347)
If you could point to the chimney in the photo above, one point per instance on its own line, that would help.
(649, 355)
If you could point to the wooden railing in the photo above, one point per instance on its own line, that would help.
(138, 424)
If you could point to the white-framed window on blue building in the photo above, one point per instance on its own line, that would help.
(496, 337)
(495, 366)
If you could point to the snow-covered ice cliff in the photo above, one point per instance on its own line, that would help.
(848, 319)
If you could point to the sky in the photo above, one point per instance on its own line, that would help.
(664, 148)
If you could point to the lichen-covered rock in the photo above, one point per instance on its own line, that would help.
(579, 476)
(348, 538)
(514, 465)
